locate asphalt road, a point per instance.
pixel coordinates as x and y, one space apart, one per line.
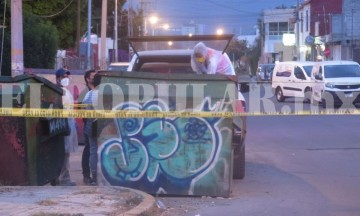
295 165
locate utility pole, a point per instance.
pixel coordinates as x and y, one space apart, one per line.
297 32
352 33
89 36
78 24
103 35
116 31
17 50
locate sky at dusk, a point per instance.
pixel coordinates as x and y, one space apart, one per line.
234 16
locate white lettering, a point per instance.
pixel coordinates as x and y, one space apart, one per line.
255 99
7 93
35 94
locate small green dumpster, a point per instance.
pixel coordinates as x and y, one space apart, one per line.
175 155
30 153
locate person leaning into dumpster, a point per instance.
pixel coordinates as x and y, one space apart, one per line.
90 137
85 164
70 141
205 60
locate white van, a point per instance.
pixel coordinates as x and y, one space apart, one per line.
292 79
335 83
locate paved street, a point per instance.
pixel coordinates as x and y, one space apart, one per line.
295 165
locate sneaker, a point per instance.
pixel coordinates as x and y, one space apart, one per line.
93 182
87 180
68 183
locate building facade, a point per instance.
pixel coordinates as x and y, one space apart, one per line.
327 30
277 24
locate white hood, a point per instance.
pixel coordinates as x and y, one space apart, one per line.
343 80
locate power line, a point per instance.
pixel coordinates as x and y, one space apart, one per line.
57 13
231 8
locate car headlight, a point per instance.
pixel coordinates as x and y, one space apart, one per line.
329 85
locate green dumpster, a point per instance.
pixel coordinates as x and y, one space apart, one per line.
30 152
171 155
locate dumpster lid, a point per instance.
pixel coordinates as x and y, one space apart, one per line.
178 42
22 77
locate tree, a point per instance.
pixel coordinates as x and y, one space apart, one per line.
123 14
236 49
255 51
40 43
61 14
6 61
254 56
6 44
50 25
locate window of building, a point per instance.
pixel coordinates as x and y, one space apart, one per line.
276 30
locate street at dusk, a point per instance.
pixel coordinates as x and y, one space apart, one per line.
180 108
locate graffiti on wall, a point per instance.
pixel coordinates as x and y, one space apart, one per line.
163 155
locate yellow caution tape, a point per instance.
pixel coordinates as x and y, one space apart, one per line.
79 113
77 105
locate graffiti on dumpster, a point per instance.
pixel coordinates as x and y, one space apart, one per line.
12 129
161 154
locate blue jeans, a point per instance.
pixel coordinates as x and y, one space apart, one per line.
93 153
85 164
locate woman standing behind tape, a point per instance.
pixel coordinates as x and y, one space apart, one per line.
90 138
71 141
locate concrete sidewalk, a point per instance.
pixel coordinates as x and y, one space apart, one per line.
74 200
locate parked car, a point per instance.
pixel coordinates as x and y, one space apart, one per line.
118 66
335 82
263 72
292 79
154 55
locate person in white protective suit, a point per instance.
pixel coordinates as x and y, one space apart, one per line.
205 60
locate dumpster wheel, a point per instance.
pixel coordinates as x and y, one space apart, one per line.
239 154
239 163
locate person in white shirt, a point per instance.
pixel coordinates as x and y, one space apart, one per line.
91 99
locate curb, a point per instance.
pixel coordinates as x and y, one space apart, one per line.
147 204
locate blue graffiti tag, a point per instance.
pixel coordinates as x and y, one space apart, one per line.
160 153
195 130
